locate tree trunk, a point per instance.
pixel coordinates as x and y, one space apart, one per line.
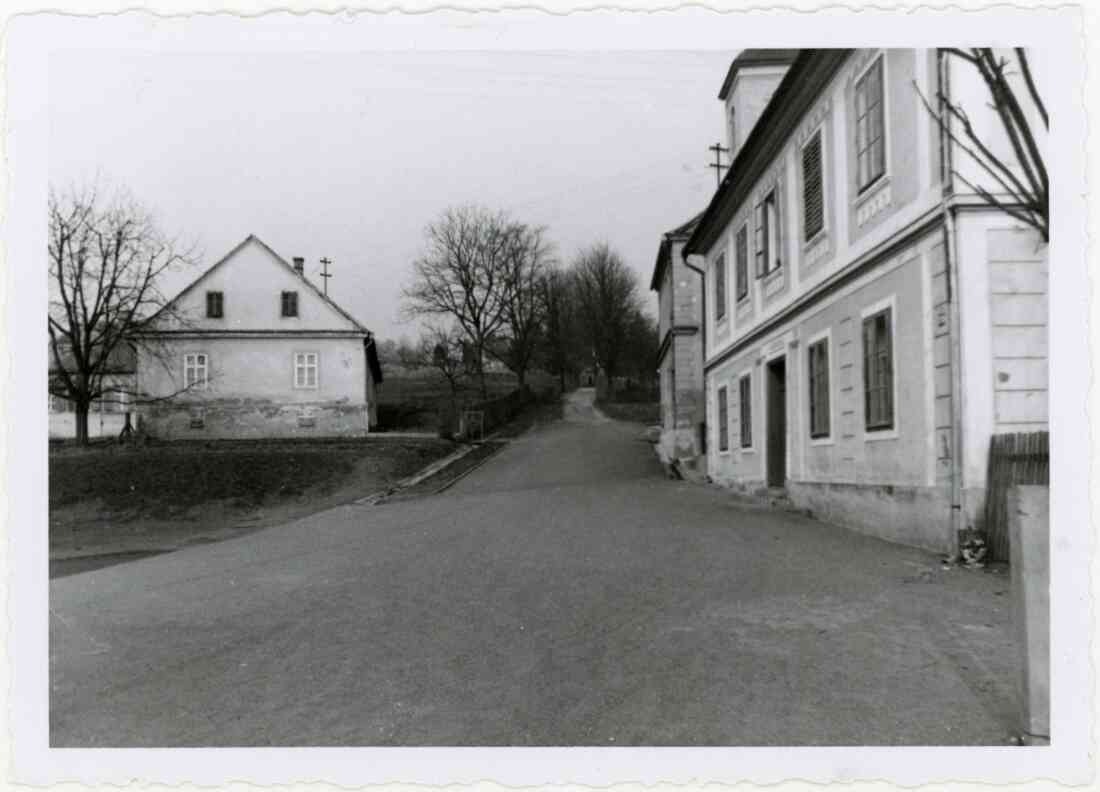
481 375
81 423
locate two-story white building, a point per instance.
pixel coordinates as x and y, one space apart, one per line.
870 323
252 348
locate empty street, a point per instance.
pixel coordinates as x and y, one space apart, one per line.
564 593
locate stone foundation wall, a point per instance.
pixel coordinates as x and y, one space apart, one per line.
916 516
255 418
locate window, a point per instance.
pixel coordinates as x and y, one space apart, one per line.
720 287
870 139
290 303
819 388
813 193
767 235
745 396
215 305
878 371
305 369
195 370
741 252
723 420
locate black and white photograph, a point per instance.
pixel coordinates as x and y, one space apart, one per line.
596 383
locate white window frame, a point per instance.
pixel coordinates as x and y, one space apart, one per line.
872 435
861 194
827 336
821 232
191 363
302 365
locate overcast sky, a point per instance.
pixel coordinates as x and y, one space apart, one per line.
350 155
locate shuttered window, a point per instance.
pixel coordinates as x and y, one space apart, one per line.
819 388
741 253
870 137
813 195
290 303
878 371
720 287
744 395
215 304
723 420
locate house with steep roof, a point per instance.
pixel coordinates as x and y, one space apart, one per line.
870 321
252 348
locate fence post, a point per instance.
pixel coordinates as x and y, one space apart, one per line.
1029 544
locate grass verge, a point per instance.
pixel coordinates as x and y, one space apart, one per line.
119 501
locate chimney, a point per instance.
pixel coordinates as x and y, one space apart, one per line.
299 264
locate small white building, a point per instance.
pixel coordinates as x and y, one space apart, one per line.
253 349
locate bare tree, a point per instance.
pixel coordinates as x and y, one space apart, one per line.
105 260
464 276
528 259
442 349
1021 188
606 294
560 342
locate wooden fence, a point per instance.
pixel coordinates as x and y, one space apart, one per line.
1021 458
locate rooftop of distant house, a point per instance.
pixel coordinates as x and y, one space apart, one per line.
756 57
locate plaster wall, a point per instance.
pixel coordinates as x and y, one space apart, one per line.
888 483
251 388
252 282
1004 317
855 224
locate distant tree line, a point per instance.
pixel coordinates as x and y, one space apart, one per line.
489 287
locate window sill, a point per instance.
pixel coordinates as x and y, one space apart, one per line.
822 441
874 435
749 450
871 190
817 239
771 274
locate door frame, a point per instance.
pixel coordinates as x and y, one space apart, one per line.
769 361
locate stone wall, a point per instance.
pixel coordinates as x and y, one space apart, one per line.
254 418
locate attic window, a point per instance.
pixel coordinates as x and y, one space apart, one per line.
290 303
215 304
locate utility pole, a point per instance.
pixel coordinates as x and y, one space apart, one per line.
718 150
325 273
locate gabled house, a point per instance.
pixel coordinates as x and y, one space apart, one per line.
870 322
679 290
252 348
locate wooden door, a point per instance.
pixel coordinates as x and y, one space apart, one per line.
777 423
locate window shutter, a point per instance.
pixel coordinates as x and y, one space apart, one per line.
761 239
868 370
777 218
813 209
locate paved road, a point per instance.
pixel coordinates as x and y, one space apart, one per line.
565 593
